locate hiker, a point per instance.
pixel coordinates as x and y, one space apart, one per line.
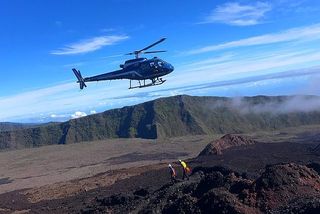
172 173
185 169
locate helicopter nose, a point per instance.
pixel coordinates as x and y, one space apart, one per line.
170 68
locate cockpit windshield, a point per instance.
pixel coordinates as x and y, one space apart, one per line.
157 64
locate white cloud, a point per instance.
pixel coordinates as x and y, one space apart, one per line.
216 59
54 116
93 112
62 99
58 23
234 13
78 114
294 34
59 116
106 30
291 104
296 8
244 65
88 45
252 63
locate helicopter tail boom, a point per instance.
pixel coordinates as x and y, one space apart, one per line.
79 77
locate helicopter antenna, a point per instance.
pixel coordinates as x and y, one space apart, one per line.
142 51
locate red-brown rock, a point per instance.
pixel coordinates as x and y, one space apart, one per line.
227 141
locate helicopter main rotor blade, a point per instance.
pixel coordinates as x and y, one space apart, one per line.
145 52
148 52
150 46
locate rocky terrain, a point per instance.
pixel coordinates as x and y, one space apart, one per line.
172 117
227 141
221 190
261 177
276 188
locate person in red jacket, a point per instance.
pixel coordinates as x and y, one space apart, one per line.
172 173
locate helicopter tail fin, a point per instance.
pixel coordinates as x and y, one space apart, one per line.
79 77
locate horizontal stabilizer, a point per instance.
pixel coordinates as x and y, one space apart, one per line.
79 77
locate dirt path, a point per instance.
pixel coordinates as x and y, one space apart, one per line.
75 187
53 198
32 168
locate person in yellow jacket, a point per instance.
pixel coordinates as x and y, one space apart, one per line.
185 169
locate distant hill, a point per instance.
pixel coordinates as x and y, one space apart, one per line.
174 116
7 126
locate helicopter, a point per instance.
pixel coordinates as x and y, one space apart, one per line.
139 69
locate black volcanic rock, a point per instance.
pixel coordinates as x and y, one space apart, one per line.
308 205
280 176
315 166
281 188
167 117
281 184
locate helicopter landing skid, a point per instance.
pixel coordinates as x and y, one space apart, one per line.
154 82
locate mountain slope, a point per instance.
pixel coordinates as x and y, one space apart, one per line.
7 126
171 117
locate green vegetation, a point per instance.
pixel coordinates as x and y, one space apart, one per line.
6 126
167 117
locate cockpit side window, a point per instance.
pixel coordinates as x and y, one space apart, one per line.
160 63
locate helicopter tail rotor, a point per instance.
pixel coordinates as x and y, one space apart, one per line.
79 77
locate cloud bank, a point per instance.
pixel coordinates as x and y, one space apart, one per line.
234 13
89 45
290 104
295 34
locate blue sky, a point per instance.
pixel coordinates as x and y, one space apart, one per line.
219 48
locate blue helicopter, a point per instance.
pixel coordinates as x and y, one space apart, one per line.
140 69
